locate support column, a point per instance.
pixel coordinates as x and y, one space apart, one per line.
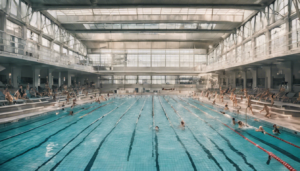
288 77
36 77
69 79
254 77
233 78
50 78
244 76
16 76
59 79
268 78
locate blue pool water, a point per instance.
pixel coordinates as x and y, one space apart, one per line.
119 135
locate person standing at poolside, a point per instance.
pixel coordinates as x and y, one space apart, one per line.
249 105
268 114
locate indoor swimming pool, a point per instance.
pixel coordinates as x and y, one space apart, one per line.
119 134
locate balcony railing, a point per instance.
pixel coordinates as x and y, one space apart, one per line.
13 45
276 47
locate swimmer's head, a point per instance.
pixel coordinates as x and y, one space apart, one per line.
233 119
260 127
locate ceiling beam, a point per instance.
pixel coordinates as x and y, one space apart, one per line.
152 41
45 6
150 30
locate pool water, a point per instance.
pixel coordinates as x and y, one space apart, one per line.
119 134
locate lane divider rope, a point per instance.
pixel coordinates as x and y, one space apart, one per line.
288 166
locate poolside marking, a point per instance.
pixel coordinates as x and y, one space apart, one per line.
133 133
92 160
227 140
69 152
269 153
39 126
178 139
41 142
208 153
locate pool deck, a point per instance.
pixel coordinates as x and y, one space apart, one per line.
292 123
42 110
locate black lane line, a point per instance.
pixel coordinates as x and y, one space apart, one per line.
133 133
156 139
227 140
208 153
295 158
57 164
42 120
178 139
152 127
43 125
222 151
42 141
92 160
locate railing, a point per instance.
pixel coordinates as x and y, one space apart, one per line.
276 47
13 45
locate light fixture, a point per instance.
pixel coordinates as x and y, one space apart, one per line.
9 75
210 46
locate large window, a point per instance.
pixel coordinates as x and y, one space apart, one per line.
161 79
158 60
56 47
171 79
144 60
45 42
32 36
118 79
132 60
13 28
14 7
199 59
106 79
281 8
295 36
185 79
144 79
172 60
186 60
248 50
278 40
260 49
131 79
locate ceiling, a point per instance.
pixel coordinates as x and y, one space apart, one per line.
171 23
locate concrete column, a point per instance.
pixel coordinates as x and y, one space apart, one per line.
16 76
59 79
50 78
254 77
268 78
288 76
69 79
233 78
36 78
244 76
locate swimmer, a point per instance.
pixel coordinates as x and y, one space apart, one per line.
214 102
62 109
260 129
182 124
275 130
241 124
257 120
233 121
71 113
226 107
156 128
222 112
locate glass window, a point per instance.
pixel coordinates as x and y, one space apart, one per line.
144 79
171 79
32 36
131 79
281 8
161 79
132 60
45 42
295 36
118 79
185 79
13 28
199 60
14 7
248 50
158 60
106 79
56 47
260 45
144 61
186 60
172 60
65 51
278 40
34 19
